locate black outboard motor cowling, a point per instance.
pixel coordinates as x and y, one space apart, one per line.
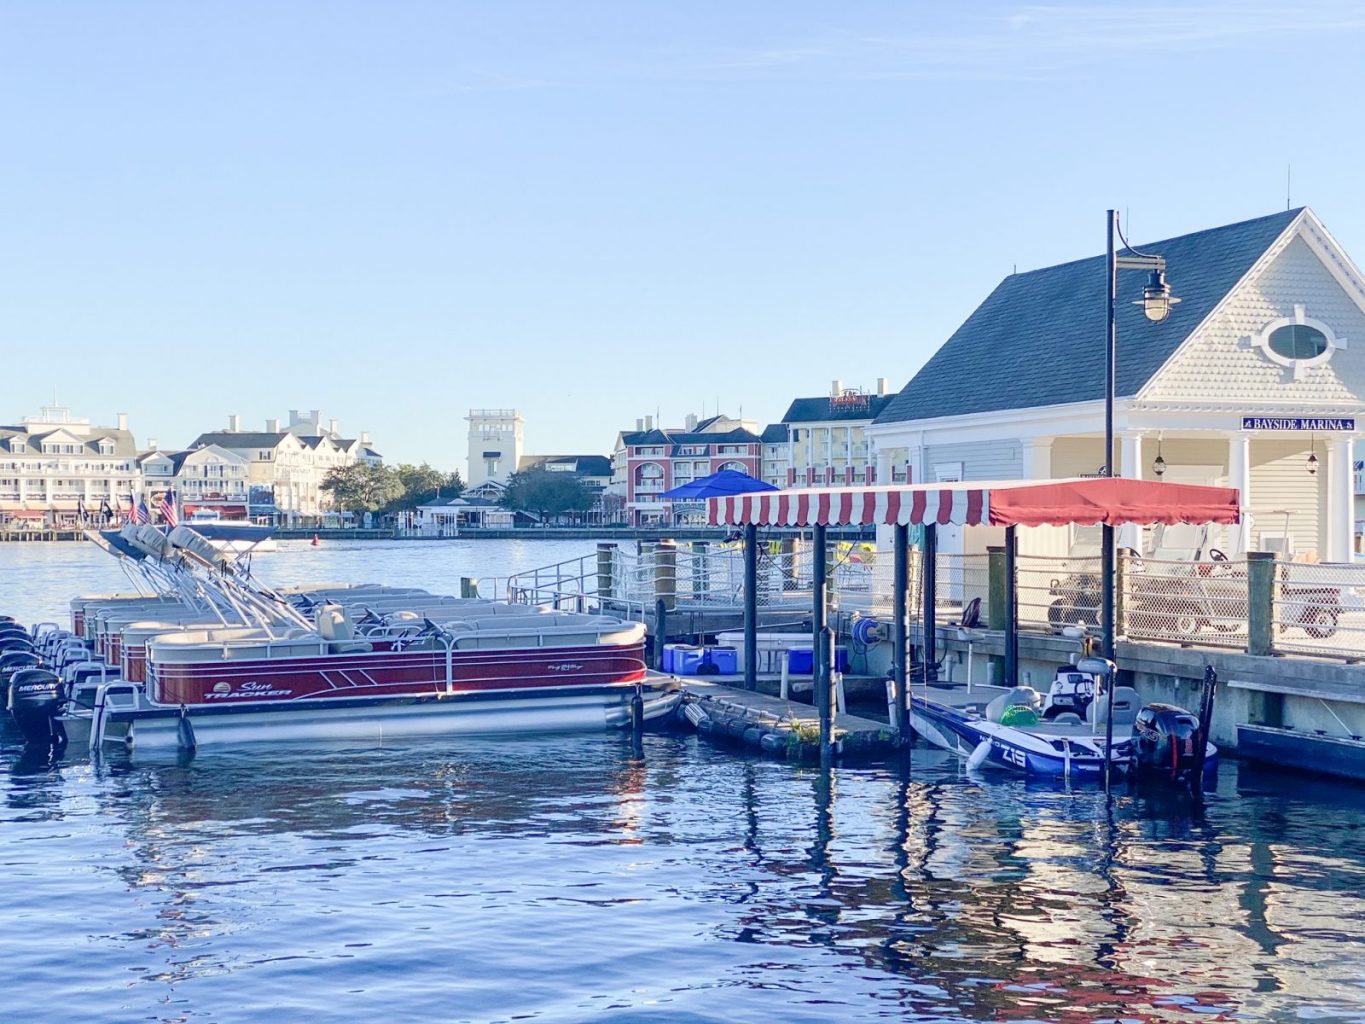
36 698
1167 742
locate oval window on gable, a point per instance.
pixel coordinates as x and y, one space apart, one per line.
1297 341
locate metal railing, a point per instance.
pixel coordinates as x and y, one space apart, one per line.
1314 609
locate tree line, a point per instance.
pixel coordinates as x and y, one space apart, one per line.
383 490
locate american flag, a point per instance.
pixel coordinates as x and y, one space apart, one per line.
167 508
132 510
106 513
144 514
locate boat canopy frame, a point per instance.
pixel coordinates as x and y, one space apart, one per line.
1105 501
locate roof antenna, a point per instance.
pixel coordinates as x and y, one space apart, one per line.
1288 181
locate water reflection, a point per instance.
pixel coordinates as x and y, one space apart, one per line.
570 880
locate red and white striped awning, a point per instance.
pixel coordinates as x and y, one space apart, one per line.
974 503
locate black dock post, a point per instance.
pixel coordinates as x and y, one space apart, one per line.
660 632
637 722
751 607
1011 609
900 655
930 621
822 652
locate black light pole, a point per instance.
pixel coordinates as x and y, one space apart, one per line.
1109 568
1156 303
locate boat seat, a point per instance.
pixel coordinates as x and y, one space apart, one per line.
349 647
1127 701
334 624
1025 695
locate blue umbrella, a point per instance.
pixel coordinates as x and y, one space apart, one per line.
719 485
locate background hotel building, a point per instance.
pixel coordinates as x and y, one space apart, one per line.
823 441
53 462
1259 369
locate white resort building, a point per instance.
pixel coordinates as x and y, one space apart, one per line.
1256 380
822 442
54 464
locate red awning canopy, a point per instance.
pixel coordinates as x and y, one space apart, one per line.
975 503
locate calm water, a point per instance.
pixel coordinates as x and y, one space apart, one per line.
564 881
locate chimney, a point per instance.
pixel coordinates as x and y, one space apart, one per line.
836 388
639 423
272 426
293 417
315 416
123 421
332 427
649 422
881 387
152 445
234 424
364 437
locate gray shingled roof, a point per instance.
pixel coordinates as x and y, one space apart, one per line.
239 439
817 410
775 433
1038 339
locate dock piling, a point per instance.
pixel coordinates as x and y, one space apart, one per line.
1011 610
899 648
930 620
751 608
660 632
823 647
637 722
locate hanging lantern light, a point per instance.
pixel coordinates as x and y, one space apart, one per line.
1159 465
1312 456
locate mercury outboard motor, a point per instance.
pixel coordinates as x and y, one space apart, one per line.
12 662
36 698
1167 742
15 643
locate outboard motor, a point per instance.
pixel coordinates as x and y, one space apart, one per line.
36 698
15 643
12 662
1168 743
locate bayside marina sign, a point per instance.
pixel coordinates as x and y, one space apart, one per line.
1296 423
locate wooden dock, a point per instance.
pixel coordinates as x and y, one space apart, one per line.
784 728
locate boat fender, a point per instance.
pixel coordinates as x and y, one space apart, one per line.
753 736
736 727
979 755
773 743
695 714
185 732
36 698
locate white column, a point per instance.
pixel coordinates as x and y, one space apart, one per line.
1130 456
1239 476
1036 462
1340 499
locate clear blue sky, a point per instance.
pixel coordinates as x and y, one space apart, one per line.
593 210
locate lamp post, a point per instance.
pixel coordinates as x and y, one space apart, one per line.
1156 303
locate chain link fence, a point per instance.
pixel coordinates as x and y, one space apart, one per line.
1203 603
1318 609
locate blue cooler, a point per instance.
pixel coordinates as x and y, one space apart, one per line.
801 660
722 661
672 661
687 659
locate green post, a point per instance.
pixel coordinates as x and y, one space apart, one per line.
995 588
1260 602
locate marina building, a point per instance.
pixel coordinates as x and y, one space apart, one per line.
822 441
1255 380
648 461
54 464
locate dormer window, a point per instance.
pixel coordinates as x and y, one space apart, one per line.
1298 342
18 447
